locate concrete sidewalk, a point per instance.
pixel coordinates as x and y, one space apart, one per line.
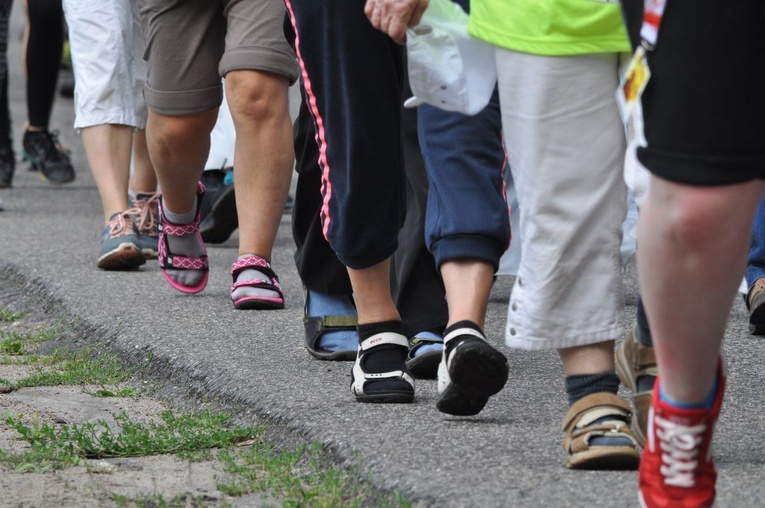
508 455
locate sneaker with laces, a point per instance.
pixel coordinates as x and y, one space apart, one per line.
7 165
42 150
147 222
120 246
636 367
677 468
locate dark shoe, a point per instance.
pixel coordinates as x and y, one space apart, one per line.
222 220
42 151
317 326
470 372
120 247
212 179
7 166
66 84
755 301
394 386
424 356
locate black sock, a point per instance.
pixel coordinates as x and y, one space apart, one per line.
581 385
643 331
462 324
387 357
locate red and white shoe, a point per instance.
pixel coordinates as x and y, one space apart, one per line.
677 469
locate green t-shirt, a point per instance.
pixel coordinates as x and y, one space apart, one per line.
550 27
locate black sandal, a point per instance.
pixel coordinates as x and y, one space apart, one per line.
316 326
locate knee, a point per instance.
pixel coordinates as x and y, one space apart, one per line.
256 96
691 220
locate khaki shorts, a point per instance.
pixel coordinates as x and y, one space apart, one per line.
191 44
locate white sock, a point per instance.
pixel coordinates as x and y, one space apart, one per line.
190 246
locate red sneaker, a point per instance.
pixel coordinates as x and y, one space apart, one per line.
676 469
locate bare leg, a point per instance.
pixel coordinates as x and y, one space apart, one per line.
264 156
108 151
590 359
144 179
371 292
178 146
468 284
693 243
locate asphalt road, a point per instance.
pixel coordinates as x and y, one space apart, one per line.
509 455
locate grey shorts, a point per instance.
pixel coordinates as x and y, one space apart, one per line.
191 44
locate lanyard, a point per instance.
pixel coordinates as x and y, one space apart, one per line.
653 12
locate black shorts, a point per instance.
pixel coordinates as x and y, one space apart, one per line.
704 106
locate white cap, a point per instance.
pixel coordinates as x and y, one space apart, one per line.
448 68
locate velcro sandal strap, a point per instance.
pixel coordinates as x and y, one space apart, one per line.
184 262
460 332
259 264
644 357
379 339
253 261
579 426
359 380
599 400
178 230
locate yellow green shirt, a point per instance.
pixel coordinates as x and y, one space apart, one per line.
550 27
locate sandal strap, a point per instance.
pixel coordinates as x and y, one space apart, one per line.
417 341
179 230
252 261
176 261
460 332
379 339
579 423
259 264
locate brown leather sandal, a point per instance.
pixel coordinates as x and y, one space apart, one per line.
600 414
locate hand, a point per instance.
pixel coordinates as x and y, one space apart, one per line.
394 16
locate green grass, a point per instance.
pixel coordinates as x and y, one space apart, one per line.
8 316
15 344
79 368
56 446
295 477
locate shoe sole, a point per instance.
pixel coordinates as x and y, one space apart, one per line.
125 257
387 398
424 366
621 458
477 371
253 303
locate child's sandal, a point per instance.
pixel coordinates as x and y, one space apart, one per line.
600 415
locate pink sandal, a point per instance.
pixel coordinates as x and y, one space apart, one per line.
168 260
256 302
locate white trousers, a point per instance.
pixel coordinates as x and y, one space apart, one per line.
565 144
